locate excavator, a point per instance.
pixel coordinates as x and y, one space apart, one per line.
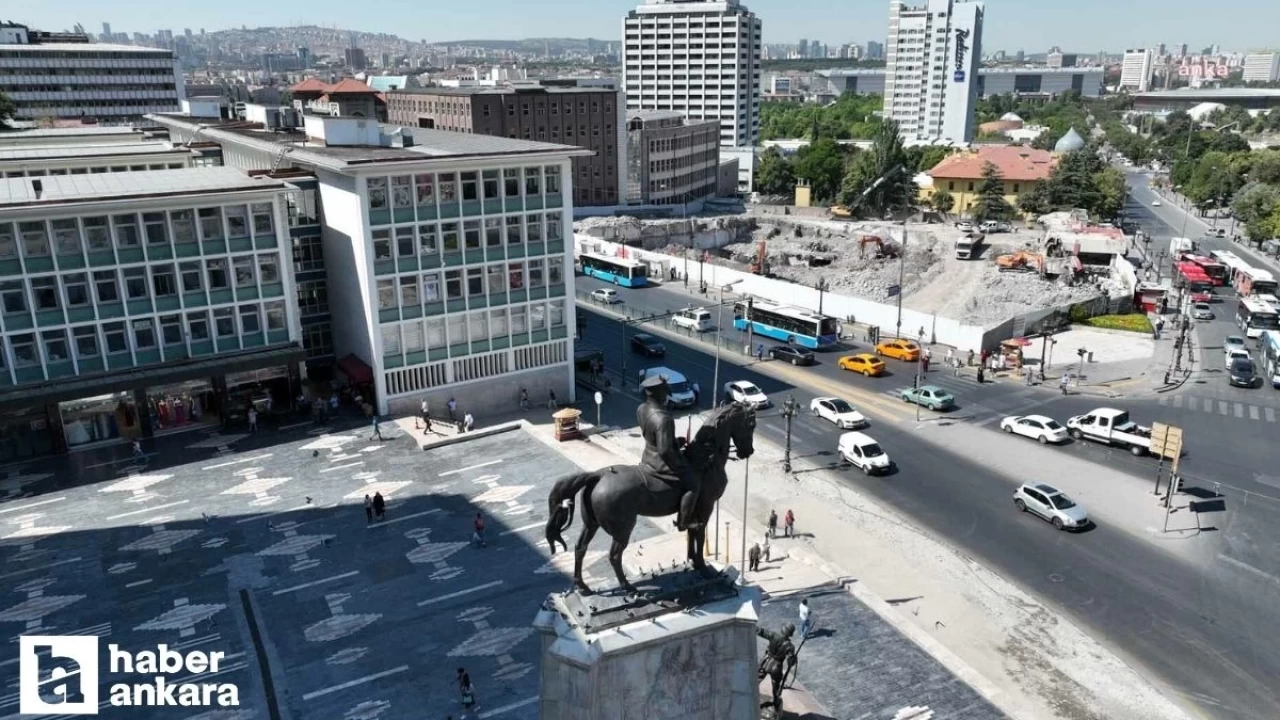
759 264
840 212
1021 261
883 249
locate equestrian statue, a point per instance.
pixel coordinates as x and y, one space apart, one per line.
674 476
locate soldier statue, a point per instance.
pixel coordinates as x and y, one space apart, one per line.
663 457
779 658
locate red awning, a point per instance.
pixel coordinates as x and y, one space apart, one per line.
356 369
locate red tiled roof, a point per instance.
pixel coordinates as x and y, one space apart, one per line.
350 85
310 85
1014 162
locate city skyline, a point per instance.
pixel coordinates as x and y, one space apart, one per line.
1010 27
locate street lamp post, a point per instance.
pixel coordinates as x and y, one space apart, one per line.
788 412
902 266
822 286
919 373
1080 373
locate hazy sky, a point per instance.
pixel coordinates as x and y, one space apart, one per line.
1033 25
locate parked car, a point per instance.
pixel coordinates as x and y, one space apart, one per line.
1242 373
1201 311
839 412
929 396
899 349
861 451
866 363
1051 504
696 319
793 354
1233 354
1037 427
964 226
1155 203
603 295
744 391
995 226
647 345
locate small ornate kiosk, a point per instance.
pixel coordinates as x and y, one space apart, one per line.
566 420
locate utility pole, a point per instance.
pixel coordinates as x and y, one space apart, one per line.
750 325
1079 374
919 373
746 484
788 412
822 287
902 266
624 354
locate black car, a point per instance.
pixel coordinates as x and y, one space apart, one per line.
647 345
1242 373
792 354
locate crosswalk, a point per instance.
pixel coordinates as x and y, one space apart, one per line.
1220 407
945 379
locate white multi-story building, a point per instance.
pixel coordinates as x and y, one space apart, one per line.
934 52
698 58
1261 67
1135 72
112 83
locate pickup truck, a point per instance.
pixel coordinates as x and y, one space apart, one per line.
1113 427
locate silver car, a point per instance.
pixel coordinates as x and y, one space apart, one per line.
1051 504
1201 311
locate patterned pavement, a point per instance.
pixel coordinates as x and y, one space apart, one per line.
356 621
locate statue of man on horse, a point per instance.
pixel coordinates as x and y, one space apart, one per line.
673 477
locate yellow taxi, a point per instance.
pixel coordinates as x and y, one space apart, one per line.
904 350
865 363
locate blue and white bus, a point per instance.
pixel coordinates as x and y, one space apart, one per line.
792 325
619 271
1269 344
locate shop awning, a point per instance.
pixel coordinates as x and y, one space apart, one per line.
122 380
356 369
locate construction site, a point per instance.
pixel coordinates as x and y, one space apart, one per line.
1007 274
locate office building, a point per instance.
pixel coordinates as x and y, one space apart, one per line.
670 160
934 53
875 50
447 272
1136 69
1058 59
140 303
1032 81
355 58
1261 67
65 76
588 117
698 58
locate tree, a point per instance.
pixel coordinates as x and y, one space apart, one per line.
1035 202
991 204
1112 189
922 158
896 191
1071 184
821 163
7 109
942 202
774 176
1255 207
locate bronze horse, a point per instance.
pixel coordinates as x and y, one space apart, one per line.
613 497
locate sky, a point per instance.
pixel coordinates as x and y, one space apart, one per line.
1031 25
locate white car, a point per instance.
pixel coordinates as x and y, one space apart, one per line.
608 297
1051 504
1232 342
1232 354
746 392
863 452
964 226
1037 427
1155 203
695 319
838 411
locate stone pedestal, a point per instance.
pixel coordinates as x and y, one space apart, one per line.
687 659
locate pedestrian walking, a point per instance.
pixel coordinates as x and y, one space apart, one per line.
697 392
468 423
1030 374
368 509
766 547
552 404
969 362
377 430
1159 327
951 353
379 506
753 558
426 424
253 420
137 451
466 689
806 619
924 363
425 411
760 352
524 399
333 402
773 523
981 375
1066 380
789 524
477 535
453 409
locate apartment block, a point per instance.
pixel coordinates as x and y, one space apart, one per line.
671 161
69 77
138 303
698 58
1261 67
447 274
588 117
1136 70
931 73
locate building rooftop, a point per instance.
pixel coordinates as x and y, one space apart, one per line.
653 115
85 48
1014 162
504 90
63 189
67 132
1209 94
51 152
1022 70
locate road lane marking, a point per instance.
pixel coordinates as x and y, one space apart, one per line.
1222 407
352 683
508 708
460 593
1208 406
313 583
522 528
1239 410
1271 414
34 504
153 508
1177 401
1191 403
470 467
236 462
1253 412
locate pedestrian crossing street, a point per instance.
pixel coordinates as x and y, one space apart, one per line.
1217 406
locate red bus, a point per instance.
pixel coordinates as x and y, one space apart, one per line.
1216 271
1197 282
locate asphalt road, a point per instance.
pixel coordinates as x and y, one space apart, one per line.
1207 632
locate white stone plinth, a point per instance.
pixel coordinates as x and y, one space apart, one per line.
694 665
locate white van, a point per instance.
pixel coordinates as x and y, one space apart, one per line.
681 391
696 319
861 451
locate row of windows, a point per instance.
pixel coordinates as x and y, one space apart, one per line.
70 236
114 338
15 88
71 290
85 71
422 189
432 287
30 108
461 328
92 170
430 238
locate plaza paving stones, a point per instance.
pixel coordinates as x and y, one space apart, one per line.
860 667
359 621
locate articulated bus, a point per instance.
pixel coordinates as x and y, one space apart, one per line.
619 271
1230 262
1252 281
1216 271
792 325
1254 317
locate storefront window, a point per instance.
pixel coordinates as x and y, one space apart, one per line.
95 419
182 405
